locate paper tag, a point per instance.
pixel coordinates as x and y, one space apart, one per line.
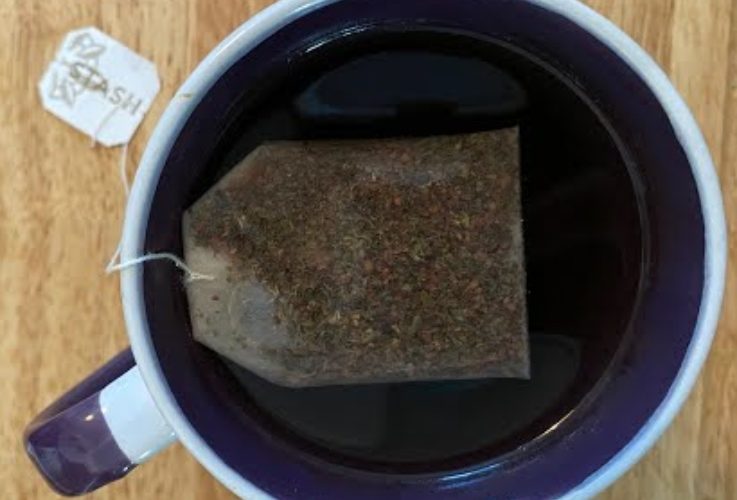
99 86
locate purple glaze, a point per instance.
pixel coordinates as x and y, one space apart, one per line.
70 442
582 443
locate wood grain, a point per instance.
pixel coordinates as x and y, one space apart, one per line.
61 206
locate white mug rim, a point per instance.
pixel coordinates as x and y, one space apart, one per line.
283 12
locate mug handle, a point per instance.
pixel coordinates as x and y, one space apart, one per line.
99 431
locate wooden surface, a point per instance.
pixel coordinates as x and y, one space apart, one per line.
61 206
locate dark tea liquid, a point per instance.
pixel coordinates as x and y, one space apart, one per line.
584 233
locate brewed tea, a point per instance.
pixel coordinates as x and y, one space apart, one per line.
584 238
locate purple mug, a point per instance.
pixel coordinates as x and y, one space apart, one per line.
166 389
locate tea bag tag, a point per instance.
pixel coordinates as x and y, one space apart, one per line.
99 86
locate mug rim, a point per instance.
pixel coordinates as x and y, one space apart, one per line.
271 19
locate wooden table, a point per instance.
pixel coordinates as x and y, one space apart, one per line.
61 205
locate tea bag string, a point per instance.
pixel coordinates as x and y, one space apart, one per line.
116 264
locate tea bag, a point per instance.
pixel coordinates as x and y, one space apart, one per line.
365 261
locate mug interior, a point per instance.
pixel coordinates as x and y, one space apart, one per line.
575 448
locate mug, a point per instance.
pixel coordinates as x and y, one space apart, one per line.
166 389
